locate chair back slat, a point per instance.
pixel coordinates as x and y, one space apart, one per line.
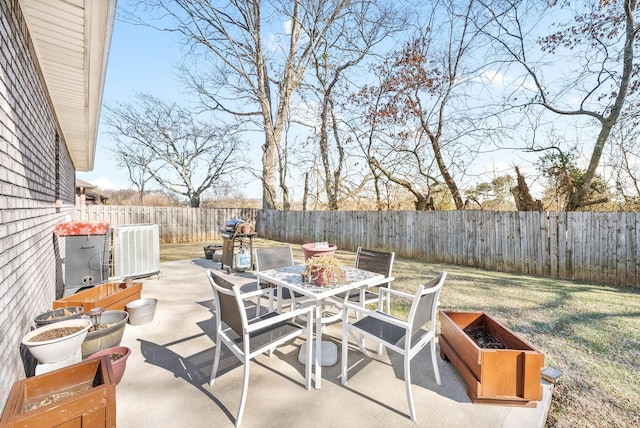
425 304
273 257
375 261
227 307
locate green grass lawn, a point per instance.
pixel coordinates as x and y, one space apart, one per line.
589 331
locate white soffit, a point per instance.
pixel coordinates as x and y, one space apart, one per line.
71 39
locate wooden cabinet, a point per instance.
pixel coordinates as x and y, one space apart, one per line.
79 395
493 376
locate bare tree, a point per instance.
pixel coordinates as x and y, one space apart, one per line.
422 91
601 73
187 156
135 160
347 44
256 54
624 161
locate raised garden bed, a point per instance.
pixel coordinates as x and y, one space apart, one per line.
79 395
507 372
111 296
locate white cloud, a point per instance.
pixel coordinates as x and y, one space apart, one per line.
493 77
498 79
103 183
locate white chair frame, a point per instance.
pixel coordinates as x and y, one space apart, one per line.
413 329
280 328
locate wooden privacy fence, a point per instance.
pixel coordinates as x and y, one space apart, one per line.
176 224
590 246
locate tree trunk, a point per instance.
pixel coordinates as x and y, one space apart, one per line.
522 197
425 203
305 194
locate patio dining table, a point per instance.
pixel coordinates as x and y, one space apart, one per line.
291 278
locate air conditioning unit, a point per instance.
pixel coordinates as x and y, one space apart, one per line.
136 250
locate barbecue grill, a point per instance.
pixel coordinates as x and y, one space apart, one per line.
237 247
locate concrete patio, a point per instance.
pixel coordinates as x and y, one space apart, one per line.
166 380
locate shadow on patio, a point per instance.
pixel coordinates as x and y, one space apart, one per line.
166 383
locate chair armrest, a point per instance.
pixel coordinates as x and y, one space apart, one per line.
377 314
283 317
357 308
354 307
387 280
394 292
258 292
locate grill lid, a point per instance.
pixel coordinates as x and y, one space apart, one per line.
233 223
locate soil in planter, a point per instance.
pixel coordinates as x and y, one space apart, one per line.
55 333
65 313
483 338
99 327
52 398
115 356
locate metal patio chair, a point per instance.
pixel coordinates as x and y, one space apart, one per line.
405 337
247 338
373 261
272 258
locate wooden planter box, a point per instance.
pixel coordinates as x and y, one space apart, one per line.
95 406
111 296
493 376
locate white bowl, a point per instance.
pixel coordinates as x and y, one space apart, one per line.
54 350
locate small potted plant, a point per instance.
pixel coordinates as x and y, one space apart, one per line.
118 356
323 270
57 341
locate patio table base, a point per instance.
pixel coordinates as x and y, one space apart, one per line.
328 354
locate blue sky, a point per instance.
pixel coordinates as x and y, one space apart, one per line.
140 59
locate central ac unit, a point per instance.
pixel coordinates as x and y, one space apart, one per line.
136 250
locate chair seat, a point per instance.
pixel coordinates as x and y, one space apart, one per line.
286 293
263 337
390 333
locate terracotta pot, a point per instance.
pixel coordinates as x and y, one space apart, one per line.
322 277
117 365
310 250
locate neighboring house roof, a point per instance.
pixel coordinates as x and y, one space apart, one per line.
84 184
71 39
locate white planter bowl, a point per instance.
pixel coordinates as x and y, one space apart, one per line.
54 350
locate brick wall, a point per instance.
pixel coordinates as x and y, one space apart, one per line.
36 192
